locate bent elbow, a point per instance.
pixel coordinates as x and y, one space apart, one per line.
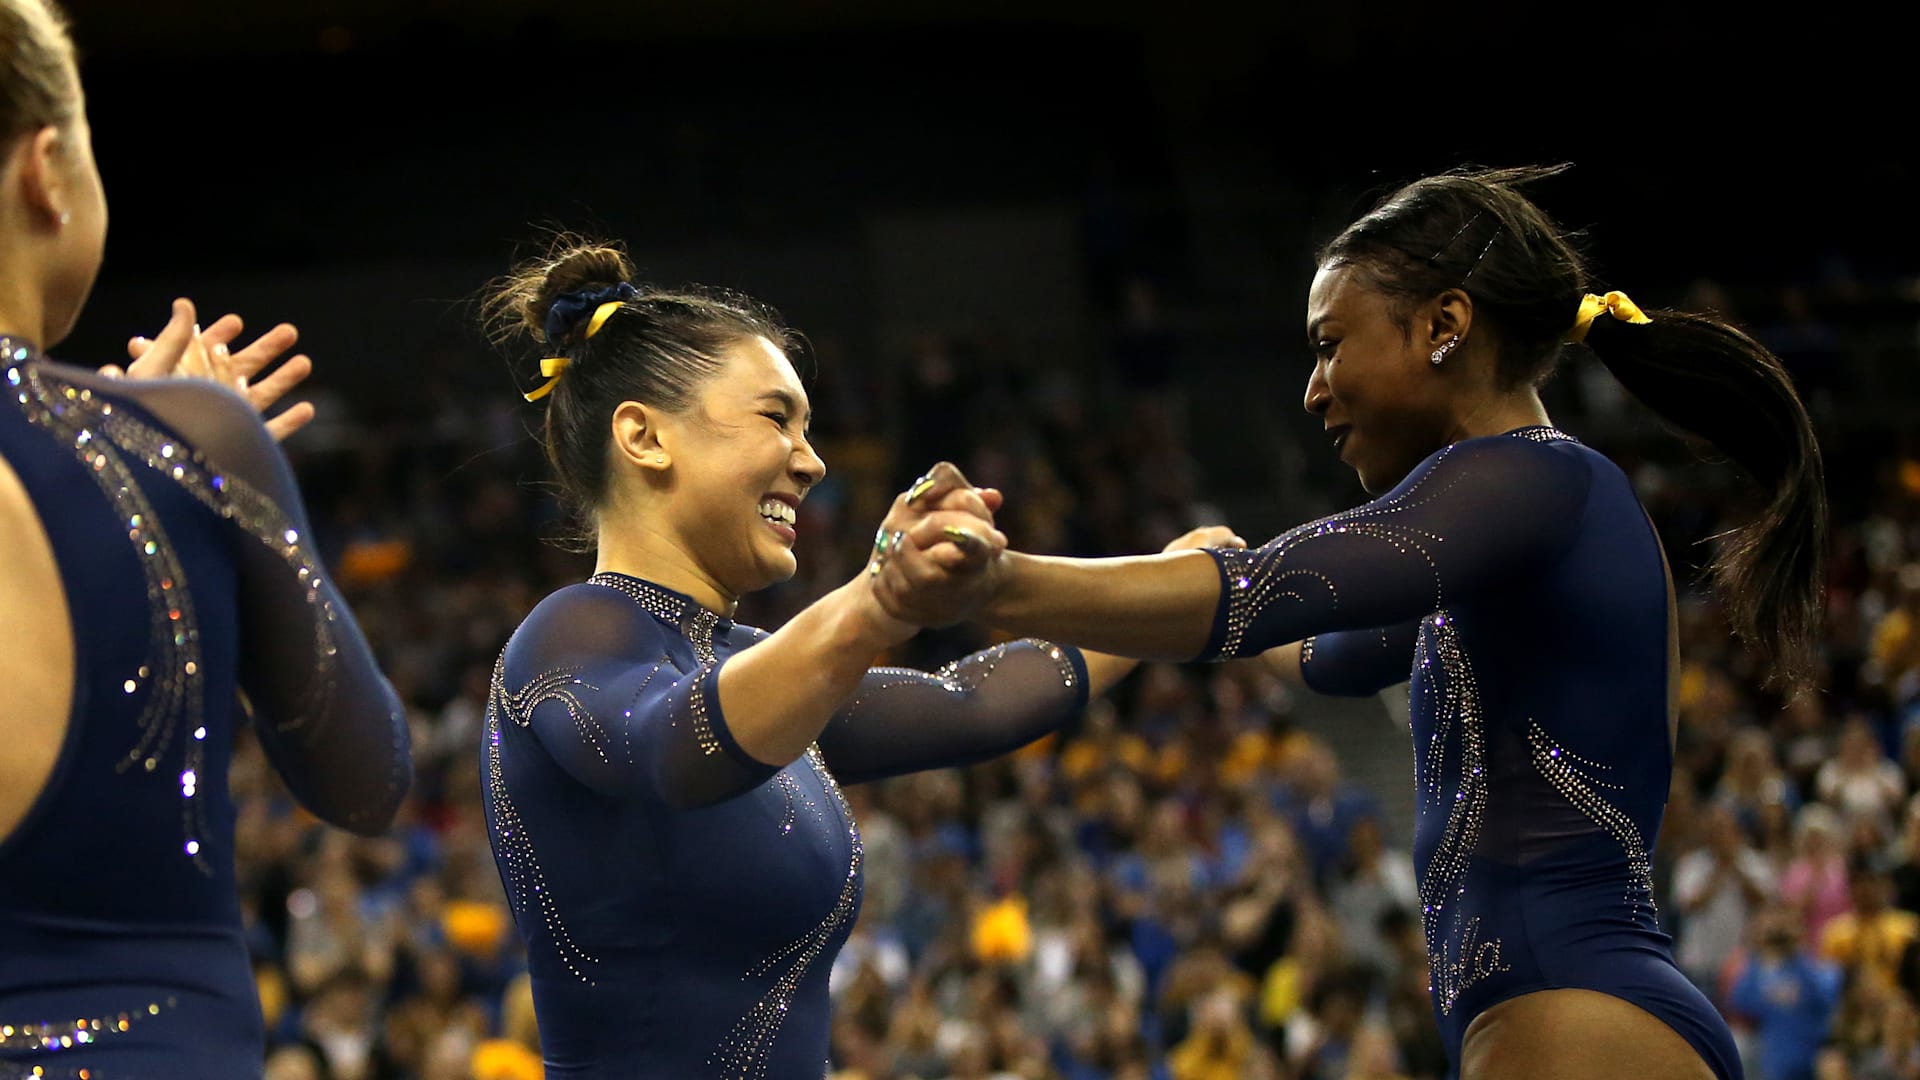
374 816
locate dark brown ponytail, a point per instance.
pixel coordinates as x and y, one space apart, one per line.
1707 378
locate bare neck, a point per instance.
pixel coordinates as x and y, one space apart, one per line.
628 544
23 301
22 316
1497 413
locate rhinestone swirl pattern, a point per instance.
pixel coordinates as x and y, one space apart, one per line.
527 887
1457 960
1257 578
744 1053
1578 780
171 672
795 798
106 440
256 514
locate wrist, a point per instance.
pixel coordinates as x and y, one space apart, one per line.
865 628
1004 579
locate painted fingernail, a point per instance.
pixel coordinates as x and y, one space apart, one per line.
919 488
960 536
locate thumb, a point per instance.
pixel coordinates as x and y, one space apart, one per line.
164 352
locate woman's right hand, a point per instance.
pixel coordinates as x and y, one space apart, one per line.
934 556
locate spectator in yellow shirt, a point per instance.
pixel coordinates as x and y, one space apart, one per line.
1869 940
1222 1045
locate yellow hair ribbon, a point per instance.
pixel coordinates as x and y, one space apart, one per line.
1615 304
552 367
555 366
601 314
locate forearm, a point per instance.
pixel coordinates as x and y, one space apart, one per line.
778 695
350 766
1150 607
984 705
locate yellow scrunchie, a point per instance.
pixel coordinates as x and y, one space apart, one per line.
1615 304
554 366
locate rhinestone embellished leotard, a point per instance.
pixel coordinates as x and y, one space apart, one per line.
682 903
184 555
1519 582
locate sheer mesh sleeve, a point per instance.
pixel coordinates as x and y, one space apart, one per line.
618 701
328 720
977 708
1474 516
1359 663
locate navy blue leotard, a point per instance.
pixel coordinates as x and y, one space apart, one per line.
189 576
682 903
1520 576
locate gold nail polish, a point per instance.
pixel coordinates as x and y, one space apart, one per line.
924 485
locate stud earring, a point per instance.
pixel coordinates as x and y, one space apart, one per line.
1440 353
66 217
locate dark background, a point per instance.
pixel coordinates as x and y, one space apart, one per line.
356 166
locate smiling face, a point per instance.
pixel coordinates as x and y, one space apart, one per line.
1373 383
740 465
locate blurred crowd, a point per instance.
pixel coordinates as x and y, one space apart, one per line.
1182 886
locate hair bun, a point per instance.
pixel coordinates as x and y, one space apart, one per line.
525 300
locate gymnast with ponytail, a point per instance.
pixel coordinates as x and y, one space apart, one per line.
1511 573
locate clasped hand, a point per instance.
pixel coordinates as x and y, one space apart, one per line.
936 558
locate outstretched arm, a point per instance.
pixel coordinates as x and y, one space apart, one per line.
985 705
978 708
1471 516
974 709
1104 670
